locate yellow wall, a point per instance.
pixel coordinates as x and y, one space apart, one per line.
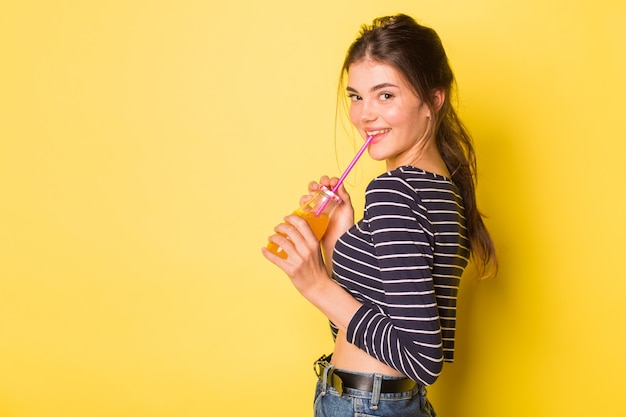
147 148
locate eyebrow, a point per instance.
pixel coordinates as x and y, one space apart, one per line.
374 88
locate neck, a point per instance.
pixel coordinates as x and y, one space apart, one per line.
427 158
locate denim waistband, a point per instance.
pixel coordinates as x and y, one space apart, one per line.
341 379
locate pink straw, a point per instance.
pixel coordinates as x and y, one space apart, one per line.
346 172
356 158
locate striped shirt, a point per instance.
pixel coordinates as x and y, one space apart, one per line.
403 261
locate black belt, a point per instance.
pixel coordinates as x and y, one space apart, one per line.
340 379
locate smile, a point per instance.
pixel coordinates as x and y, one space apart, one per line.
377 132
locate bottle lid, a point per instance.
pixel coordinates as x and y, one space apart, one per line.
331 194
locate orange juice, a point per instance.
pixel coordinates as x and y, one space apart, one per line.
318 225
316 212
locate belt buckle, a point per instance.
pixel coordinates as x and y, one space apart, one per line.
326 372
320 364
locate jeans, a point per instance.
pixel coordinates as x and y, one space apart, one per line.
357 403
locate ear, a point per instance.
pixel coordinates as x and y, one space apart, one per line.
439 97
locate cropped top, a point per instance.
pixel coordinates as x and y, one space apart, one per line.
403 261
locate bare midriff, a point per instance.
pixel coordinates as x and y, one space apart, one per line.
349 357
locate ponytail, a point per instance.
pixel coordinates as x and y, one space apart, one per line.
455 146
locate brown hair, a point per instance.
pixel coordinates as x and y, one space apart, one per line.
417 53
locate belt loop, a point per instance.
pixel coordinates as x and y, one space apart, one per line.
378 382
422 396
328 372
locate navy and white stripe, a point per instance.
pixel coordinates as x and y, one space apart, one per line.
404 262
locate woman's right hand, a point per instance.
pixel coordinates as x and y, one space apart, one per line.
342 218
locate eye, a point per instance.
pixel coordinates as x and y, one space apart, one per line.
354 97
385 96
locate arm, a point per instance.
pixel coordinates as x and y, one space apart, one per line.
305 263
306 268
342 218
403 331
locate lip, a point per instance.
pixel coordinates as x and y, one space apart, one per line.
378 134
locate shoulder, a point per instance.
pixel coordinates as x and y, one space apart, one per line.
389 186
394 189
409 179
413 188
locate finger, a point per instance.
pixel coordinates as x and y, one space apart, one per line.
280 240
305 198
272 257
282 263
301 227
333 182
285 231
325 180
290 239
297 233
343 193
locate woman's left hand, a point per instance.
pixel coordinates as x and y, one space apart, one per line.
304 263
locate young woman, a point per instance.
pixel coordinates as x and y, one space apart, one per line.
390 290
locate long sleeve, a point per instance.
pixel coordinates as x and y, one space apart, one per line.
398 323
404 331
403 261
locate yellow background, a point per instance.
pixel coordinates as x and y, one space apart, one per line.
147 149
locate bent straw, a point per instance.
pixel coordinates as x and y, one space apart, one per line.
346 172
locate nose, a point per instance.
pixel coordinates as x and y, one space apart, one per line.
368 113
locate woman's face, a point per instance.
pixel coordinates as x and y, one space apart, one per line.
383 105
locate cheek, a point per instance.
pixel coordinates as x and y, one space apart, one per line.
396 116
354 117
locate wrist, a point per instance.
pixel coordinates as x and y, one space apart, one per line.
317 288
333 301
